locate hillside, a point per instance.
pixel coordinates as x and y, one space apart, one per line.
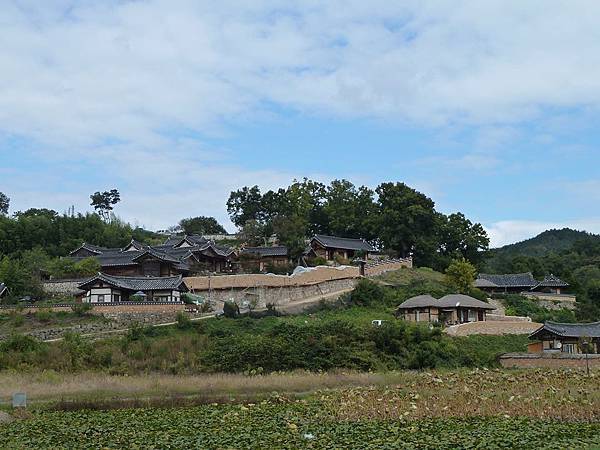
547 242
551 244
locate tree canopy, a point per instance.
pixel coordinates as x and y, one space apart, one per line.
103 202
394 217
201 225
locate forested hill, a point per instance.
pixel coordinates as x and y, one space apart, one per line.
550 241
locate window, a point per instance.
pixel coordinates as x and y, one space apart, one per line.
417 315
569 348
472 315
100 298
117 297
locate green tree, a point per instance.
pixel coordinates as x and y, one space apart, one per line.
245 204
104 202
406 221
4 203
87 267
291 232
460 276
461 238
201 225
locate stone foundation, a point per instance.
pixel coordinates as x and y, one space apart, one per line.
549 361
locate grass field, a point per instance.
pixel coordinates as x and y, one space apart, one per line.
447 409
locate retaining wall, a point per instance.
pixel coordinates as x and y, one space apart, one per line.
278 296
548 361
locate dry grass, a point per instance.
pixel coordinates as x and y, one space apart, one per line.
566 395
546 394
52 386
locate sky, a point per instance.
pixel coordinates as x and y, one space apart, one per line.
489 107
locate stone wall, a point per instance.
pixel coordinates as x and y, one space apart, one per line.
387 265
548 361
279 296
68 288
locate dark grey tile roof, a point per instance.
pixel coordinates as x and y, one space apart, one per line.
448 301
454 300
119 257
551 281
517 280
420 301
266 251
139 283
173 240
574 330
344 243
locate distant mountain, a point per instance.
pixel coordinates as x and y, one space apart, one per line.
551 241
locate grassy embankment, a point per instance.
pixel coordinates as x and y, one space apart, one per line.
331 336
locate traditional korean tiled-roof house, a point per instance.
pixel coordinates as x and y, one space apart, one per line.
551 284
507 283
332 247
519 282
449 310
555 337
262 258
184 255
105 288
3 290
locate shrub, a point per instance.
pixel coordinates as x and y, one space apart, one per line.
82 309
18 320
231 310
183 321
20 343
367 293
44 315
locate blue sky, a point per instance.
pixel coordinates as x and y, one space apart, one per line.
490 108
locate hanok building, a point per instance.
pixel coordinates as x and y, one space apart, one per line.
515 283
3 290
449 310
262 258
550 284
332 248
182 255
574 338
105 288
506 283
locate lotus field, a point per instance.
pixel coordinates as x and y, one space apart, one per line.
463 409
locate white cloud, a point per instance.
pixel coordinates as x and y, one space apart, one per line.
78 75
511 231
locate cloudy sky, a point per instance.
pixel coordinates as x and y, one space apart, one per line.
489 107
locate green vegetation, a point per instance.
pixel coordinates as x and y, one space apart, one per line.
402 220
460 276
431 410
517 305
574 256
288 425
18 322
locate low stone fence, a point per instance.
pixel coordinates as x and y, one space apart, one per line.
387 265
566 298
549 360
63 287
262 296
501 318
104 308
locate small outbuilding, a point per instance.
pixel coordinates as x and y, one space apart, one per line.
262 258
332 247
105 288
449 310
571 338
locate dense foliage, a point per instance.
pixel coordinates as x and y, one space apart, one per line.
394 217
201 225
517 305
329 337
284 424
573 256
31 243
